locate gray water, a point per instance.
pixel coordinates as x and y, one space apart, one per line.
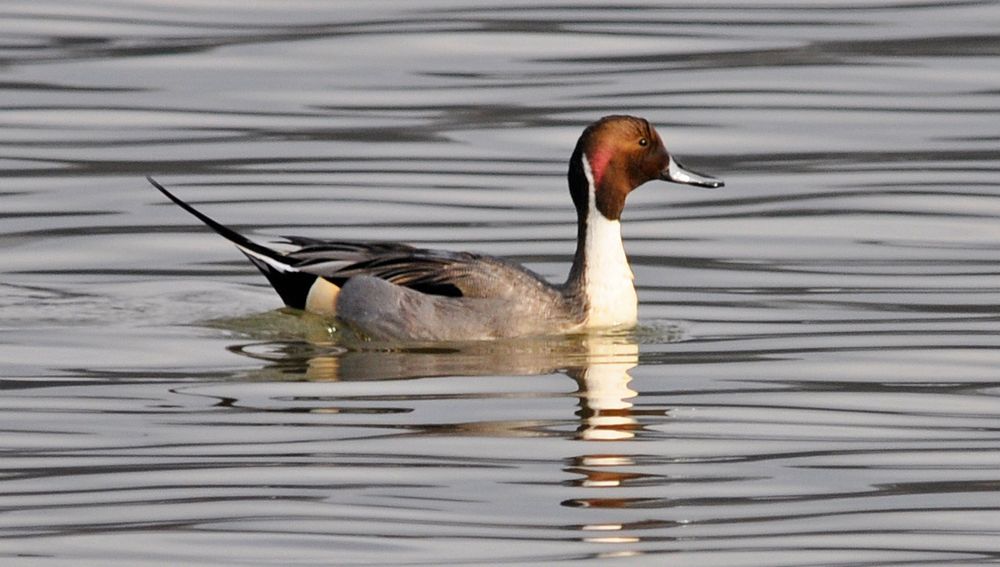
816 376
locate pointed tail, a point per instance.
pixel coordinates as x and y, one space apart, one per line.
229 234
291 284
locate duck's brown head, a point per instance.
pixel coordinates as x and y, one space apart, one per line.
615 155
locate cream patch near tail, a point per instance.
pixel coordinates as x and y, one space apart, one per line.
322 298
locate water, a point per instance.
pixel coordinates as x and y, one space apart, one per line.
814 381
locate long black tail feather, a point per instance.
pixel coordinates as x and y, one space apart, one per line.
226 232
292 285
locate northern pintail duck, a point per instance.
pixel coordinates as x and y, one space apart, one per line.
392 291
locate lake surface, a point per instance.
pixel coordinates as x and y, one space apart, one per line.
816 377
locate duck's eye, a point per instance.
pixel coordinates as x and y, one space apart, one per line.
643 142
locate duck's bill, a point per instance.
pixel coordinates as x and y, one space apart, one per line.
677 173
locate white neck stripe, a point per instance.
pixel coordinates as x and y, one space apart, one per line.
589 174
607 276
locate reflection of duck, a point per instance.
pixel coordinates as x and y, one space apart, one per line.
605 410
599 364
394 291
592 469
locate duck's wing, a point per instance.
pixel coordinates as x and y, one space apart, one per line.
437 272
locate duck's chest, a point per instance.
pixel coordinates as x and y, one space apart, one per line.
608 280
612 304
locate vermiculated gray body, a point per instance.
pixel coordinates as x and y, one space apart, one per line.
406 293
377 308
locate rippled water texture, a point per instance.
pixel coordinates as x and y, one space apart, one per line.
815 381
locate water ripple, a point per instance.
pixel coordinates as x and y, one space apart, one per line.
813 380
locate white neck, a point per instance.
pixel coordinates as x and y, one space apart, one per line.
607 277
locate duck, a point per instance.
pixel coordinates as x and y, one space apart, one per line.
389 291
